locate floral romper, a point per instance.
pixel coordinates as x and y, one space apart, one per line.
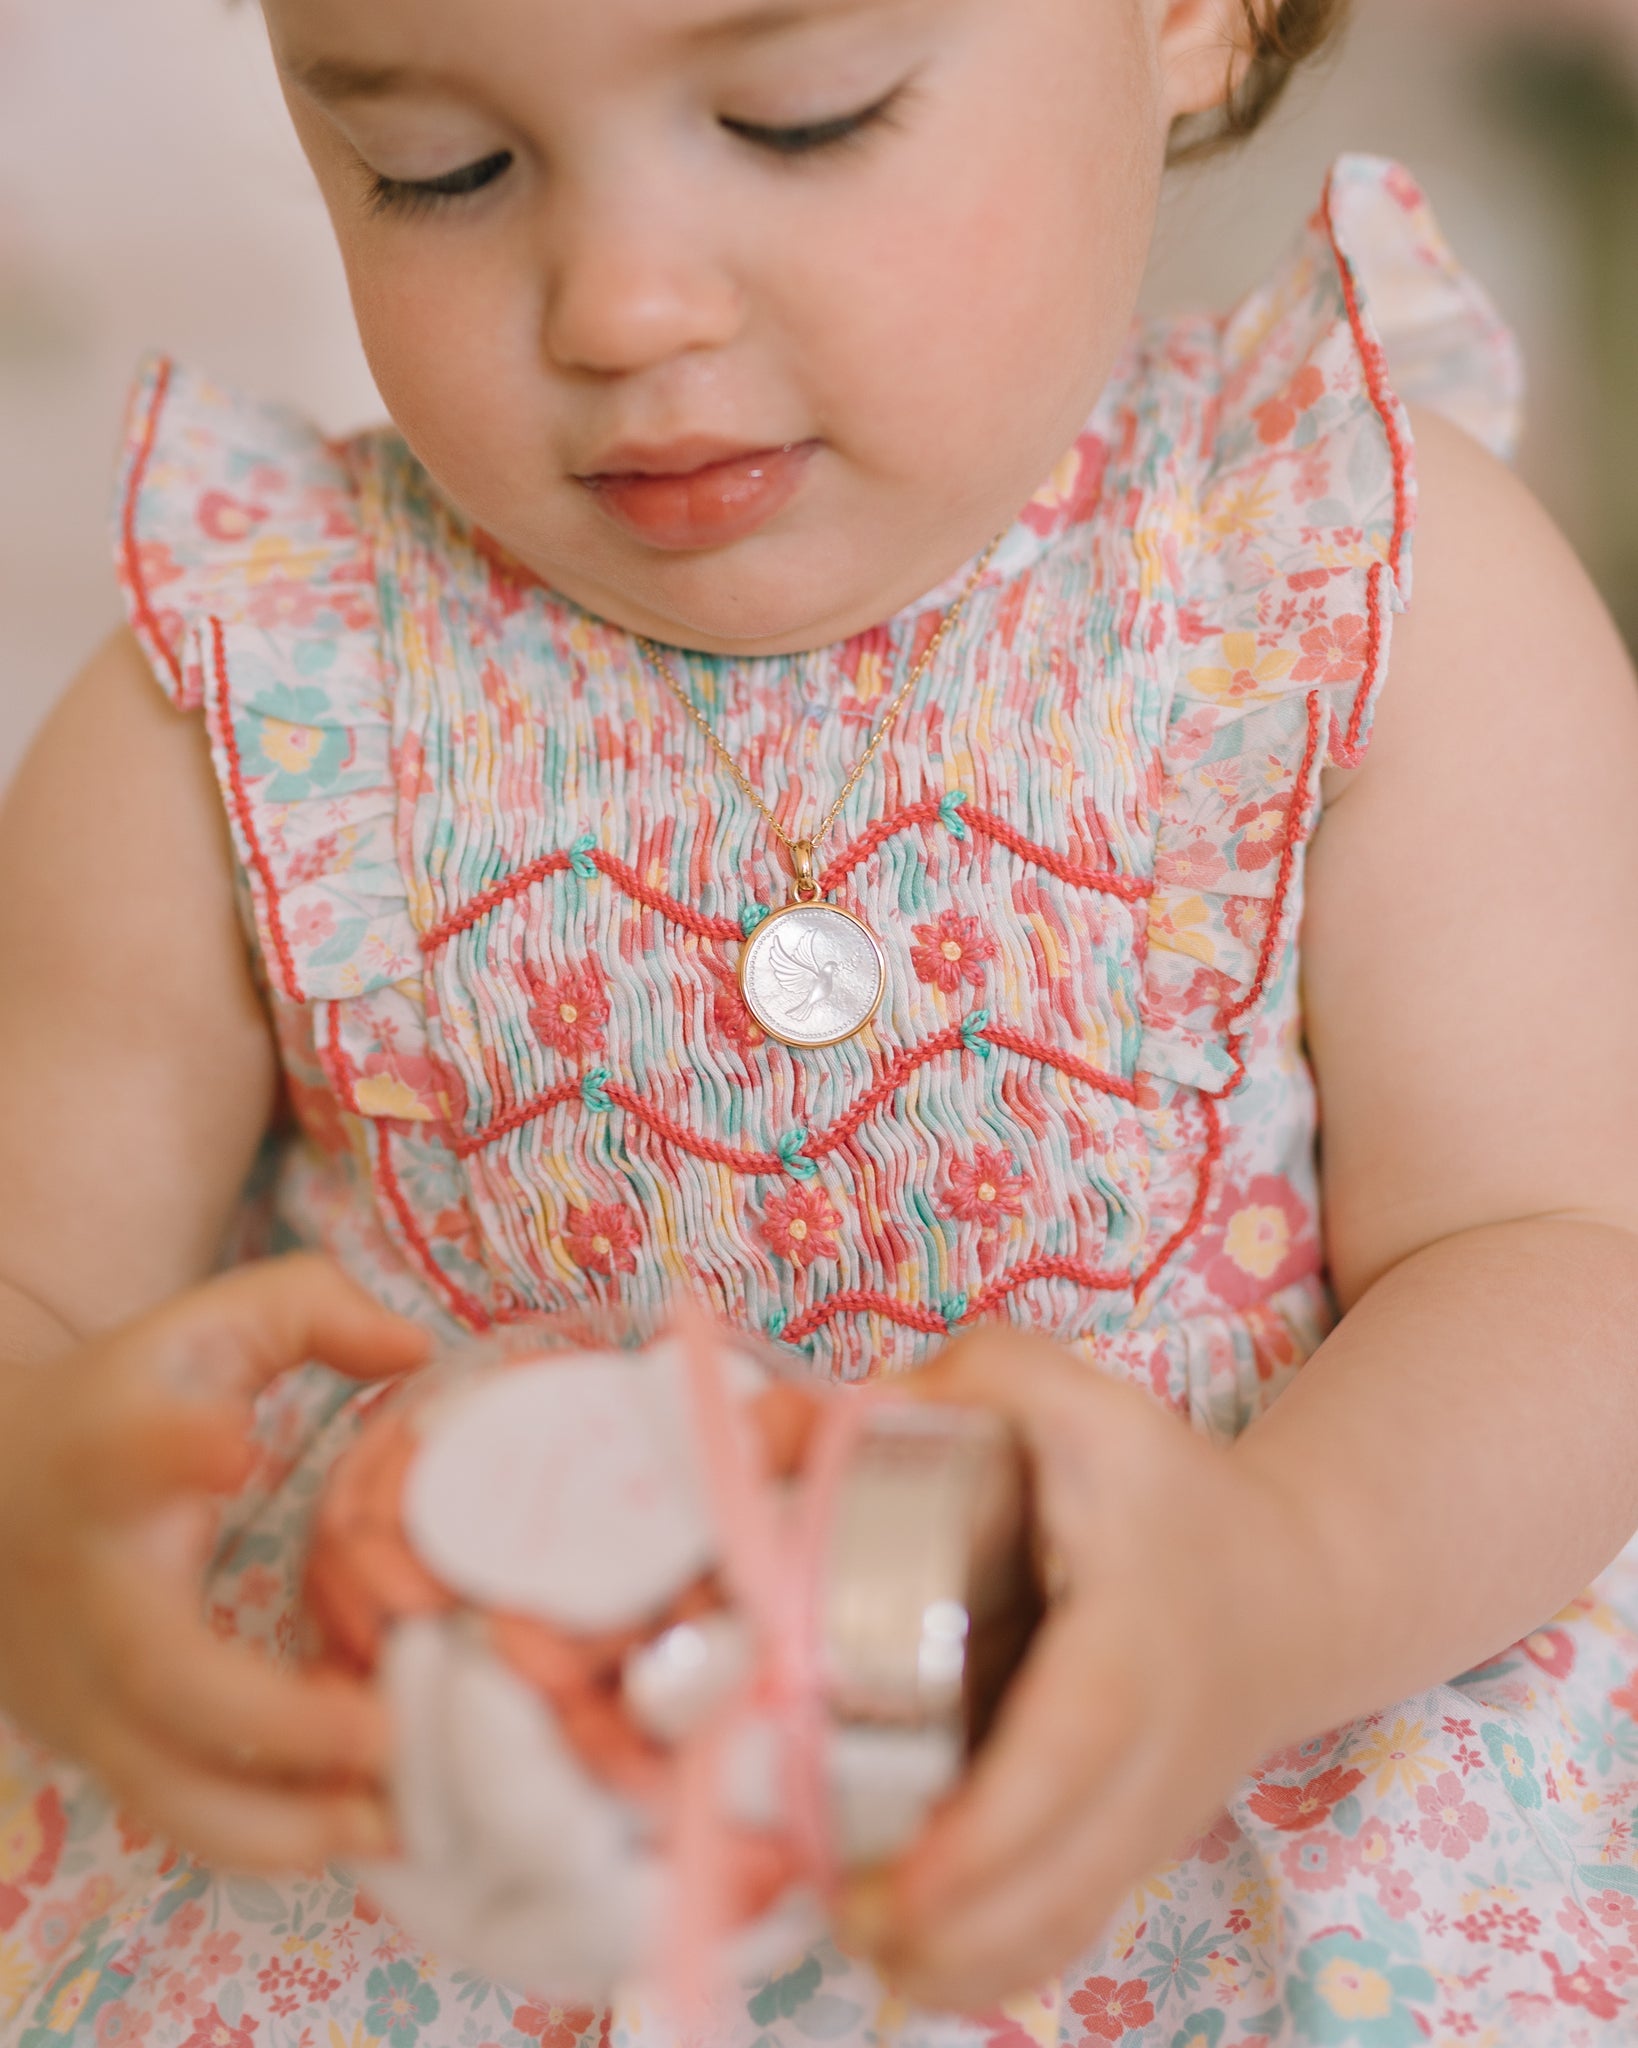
497 886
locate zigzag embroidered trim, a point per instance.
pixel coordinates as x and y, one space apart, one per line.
973 1035
953 811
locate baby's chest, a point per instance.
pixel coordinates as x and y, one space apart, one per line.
619 1120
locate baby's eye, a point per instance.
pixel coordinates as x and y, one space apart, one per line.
809 137
419 195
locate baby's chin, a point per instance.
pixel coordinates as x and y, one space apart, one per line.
769 594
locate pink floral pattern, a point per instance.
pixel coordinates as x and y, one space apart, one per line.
802 1226
602 1238
570 1012
952 950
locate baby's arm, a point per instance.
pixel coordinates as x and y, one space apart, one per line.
136 1079
136 1064
1461 1456
1464 1449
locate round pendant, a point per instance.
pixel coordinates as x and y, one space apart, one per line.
812 975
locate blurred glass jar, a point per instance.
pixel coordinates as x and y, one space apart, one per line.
530 1546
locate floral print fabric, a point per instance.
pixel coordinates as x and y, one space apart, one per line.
497 886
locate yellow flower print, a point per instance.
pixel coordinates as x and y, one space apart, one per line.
1353 1991
1178 924
1244 509
387 1095
1398 1755
1059 488
21 1840
70 2002
1255 1899
15 1979
871 679
1037 2012
1245 675
358 2038
292 747
1258 1239
275 555
1154 1891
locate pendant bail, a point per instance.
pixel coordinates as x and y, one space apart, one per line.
806 889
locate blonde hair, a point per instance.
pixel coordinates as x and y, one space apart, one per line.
1279 37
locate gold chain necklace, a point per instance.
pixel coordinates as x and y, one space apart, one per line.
813 974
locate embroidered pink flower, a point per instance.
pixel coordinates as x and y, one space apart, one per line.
569 1014
1334 652
1110 2009
984 1188
1451 1822
951 951
728 1011
801 1226
602 1238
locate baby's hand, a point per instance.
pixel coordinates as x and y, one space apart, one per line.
108 1458
1149 1692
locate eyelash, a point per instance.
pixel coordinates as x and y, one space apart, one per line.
814 137
411 196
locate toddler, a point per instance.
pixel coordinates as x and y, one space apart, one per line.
690 808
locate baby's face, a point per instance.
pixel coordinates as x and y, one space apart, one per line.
743 324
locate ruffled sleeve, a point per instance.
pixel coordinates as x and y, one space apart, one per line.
1304 526
244 558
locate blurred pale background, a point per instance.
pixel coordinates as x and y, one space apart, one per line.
150 195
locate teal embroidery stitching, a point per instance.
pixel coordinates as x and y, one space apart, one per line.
789 1149
594 1090
953 1308
580 857
972 1034
752 915
949 814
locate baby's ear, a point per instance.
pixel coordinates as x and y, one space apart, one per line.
1205 49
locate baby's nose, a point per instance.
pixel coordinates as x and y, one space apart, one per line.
629 290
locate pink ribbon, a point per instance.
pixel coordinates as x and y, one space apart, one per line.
773 1563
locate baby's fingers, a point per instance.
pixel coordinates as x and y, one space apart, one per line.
1028 1926
1067 1730
227 1822
225 1704
138 1456
239 1331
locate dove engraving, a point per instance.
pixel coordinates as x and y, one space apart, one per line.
805 965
